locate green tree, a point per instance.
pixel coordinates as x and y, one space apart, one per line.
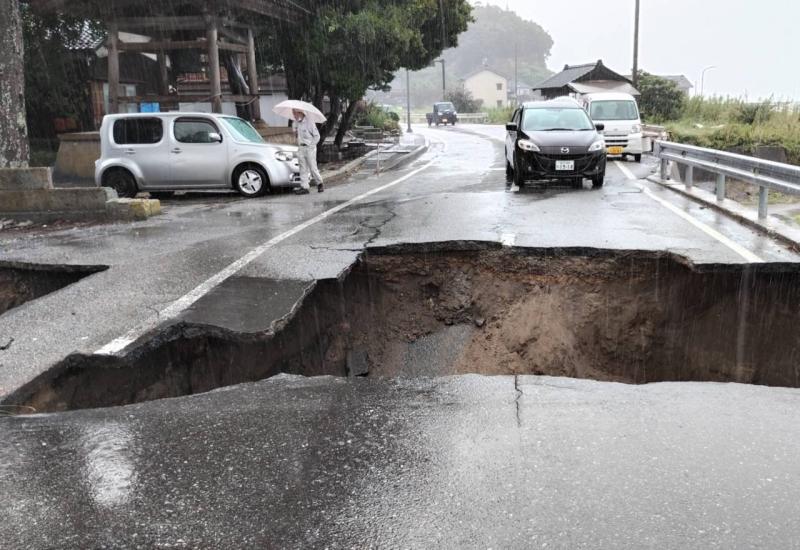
56 70
349 46
14 151
661 100
464 102
496 38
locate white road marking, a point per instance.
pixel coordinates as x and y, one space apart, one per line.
740 250
508 239
181 304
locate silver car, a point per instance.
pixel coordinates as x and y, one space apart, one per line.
166 152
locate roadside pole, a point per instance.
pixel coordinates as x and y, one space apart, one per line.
636 48
408 102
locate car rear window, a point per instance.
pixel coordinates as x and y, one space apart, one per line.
133 131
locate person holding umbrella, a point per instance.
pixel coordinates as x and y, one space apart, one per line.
305 117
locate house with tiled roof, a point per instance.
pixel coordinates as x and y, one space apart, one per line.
584 79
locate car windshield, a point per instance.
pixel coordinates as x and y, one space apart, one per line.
445 107
242 130
614 110
554 118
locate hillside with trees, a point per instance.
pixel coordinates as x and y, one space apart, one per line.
490 40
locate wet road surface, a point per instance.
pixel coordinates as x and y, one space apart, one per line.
453 463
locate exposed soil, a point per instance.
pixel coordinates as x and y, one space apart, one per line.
626 317
21 283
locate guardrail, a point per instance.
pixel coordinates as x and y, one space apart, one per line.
477 118
766 174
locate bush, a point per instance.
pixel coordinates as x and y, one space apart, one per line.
373 115
661 100
464 102
500 115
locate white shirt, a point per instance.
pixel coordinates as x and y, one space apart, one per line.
307 133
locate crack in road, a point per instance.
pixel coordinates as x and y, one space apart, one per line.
379 228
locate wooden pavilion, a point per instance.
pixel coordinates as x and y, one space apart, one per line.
206 27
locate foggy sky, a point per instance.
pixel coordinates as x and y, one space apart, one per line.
755 44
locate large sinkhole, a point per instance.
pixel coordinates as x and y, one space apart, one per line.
629 317
21 283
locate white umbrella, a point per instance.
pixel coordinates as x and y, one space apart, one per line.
285 108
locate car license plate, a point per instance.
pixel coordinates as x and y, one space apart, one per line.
615 150
565 165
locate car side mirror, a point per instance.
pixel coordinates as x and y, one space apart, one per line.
600 126
511 127
214 137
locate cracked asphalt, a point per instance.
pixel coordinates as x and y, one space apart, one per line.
463 462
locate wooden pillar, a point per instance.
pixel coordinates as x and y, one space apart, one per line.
113 69
252 75
212 35
164 76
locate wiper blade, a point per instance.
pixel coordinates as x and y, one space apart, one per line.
558 130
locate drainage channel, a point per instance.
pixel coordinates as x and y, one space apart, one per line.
632 317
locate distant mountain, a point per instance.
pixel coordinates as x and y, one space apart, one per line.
489 41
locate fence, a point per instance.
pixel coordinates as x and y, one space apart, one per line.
474 118
766 174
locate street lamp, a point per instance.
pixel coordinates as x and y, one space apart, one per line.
408 102
444 88
703 78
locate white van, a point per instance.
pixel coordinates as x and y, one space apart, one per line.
620 114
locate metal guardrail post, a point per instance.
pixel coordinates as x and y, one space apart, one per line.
763 201
720 187
689 177
664 169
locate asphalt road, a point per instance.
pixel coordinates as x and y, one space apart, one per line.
463 462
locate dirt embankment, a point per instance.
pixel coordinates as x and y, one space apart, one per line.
628 317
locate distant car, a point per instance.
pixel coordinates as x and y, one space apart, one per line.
554 140
620 115
167 152
443 113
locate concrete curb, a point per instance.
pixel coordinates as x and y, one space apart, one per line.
773 228
409 157
332 177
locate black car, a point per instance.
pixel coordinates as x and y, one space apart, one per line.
443 113
554 140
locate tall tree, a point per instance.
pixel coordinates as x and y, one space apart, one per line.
660 99
349 46
14 152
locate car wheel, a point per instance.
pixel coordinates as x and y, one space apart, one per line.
637 158
509 169
251 181
597 181
121 181
519 176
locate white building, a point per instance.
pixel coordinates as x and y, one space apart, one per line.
488 86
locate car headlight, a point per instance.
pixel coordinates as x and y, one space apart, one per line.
285 156
597 146
637 129
527 145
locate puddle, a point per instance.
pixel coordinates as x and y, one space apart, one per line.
629 317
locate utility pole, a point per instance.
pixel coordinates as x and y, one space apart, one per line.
636 48
444 45
516 74
444 86
408 102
